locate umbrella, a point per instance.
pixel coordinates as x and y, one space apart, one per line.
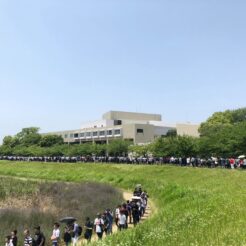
136 198
241 157
67 220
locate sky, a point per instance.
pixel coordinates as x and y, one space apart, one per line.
67 62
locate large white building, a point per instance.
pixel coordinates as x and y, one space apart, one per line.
140 128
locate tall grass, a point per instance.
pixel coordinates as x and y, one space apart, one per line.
195 206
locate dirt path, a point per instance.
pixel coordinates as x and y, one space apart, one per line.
127 196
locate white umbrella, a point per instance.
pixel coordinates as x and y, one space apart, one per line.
241 157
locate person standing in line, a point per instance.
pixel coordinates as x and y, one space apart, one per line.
106 223
129 209
122 220
110 217
67 238
124 210
39 238
117 214
99 225
75 233
232 163
88 229
8 241
14 238
27 238
135 214
55 235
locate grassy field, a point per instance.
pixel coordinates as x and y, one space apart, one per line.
27 204
194 206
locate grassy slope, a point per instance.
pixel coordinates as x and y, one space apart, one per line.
195 206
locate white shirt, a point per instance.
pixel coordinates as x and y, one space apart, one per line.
122 219
97 223
56 233
9 244
144 203
117 212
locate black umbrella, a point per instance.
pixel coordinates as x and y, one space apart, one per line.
67 220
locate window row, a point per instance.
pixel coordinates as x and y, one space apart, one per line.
93 134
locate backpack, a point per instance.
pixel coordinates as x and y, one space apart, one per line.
79 230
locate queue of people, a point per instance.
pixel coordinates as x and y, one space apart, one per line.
211 162
129 212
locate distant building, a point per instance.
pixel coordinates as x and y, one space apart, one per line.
138 128
188 129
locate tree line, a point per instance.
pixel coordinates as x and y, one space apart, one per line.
223 135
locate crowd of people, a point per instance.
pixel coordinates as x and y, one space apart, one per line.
210 162
127 213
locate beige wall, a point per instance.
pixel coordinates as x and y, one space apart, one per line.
188 129
147 136
130 132
117 115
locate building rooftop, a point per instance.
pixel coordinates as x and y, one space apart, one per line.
120 115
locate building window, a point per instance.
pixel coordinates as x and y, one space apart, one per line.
65 136
71 135
88 134
102 133
109 132
117 122
82 134
76 135
140 130
117 132
94 134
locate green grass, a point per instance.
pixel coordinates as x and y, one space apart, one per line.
195 206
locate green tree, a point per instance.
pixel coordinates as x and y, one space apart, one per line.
29 136
11 141
51 140
222 119
140 150
5 150
187 146
118 147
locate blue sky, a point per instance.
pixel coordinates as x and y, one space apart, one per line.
66 62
